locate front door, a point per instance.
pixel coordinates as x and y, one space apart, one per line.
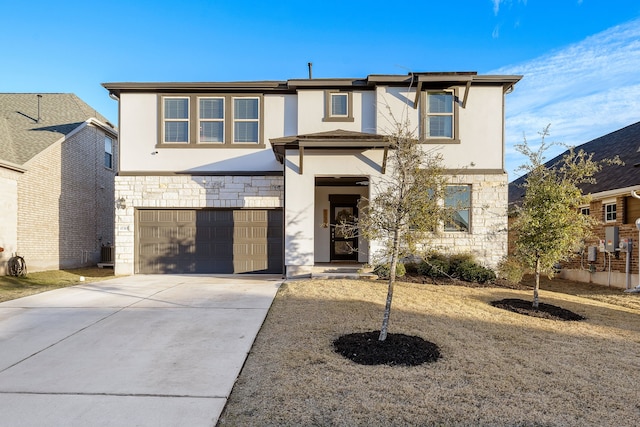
344 238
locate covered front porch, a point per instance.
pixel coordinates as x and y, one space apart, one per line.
328 178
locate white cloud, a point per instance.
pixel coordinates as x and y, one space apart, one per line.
584 91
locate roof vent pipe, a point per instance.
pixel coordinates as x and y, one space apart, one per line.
39 97
310 65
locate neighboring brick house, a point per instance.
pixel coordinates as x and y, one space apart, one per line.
57 168
237 177
612 204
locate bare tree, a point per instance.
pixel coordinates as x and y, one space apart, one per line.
407 207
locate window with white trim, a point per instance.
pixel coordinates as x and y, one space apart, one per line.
610 212
439 115
210 120
176 120
585 211
211 116
338 106
108 152
246 119
457 198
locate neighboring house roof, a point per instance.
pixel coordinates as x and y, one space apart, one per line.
624 143
30 122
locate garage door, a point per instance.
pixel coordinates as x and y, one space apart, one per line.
208 241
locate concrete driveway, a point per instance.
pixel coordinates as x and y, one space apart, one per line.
162 350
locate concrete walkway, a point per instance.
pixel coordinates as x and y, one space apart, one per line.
142 350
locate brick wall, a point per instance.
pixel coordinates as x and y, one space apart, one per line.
172 192
8 216
65 204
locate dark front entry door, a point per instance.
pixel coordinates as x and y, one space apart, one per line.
344 211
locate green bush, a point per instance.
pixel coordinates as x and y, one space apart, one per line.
383 270
511 270
434 267
469 271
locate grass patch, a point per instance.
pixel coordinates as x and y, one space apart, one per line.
33 283
497 367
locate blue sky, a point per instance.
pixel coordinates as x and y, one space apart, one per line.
580 58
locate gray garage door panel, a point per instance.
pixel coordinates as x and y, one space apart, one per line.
209 241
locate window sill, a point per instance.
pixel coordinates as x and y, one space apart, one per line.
211 145
439 141
338 119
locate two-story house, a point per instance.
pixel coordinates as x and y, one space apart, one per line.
57 169
239 177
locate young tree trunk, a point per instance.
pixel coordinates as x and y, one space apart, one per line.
392 279
537 286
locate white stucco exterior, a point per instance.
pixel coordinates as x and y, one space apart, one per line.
294 112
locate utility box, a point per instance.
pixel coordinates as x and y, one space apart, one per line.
592 254
611 239
626 244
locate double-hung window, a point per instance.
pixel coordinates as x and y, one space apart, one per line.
176 120
210 120
108 152
211 115
457 201
439 121
246 119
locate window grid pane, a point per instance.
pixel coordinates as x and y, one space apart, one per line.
176 131
211 108
441 102
176 108
245 109
212 131
441 126
245 132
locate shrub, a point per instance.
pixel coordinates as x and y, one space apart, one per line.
382 270
511 270
434 267
469 271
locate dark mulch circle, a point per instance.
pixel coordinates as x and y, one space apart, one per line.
398 349
545 311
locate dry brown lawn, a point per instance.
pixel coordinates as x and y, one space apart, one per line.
498 368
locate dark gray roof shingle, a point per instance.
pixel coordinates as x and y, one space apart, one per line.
624 143
22 135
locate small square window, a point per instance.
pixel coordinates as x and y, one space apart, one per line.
585 211
339 104
610 212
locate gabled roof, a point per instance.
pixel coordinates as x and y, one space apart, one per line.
26 129
624 143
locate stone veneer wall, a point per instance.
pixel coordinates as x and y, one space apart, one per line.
174 192
488 237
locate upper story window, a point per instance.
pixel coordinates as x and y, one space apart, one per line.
439 116
211 115
338 106
610 212
585 211
458 199
246 118
108 152
219 120
176 120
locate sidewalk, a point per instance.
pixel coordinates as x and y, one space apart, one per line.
135 351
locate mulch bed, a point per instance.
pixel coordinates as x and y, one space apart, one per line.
397 349
545 311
